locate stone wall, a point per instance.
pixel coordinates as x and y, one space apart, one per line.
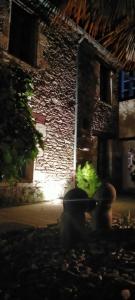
104 119
54 81
95 117
55 87
4 23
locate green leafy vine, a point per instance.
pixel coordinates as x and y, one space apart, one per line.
19 138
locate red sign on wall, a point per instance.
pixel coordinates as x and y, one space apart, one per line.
39 118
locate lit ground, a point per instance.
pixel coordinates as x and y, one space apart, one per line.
43 214
34 264
123 206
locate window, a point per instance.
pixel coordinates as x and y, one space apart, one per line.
105 84
22 41
126 85
26 173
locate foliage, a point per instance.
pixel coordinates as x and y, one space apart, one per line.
111 22
87 179
19 139
15 195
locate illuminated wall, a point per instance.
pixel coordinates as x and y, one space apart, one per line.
127 134
128 164
55 88
127 119
54 98
53 103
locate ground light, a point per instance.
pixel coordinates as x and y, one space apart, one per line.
52 189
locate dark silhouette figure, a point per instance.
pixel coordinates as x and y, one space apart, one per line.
75 204
105 196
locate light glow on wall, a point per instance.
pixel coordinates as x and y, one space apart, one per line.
126 119
52 189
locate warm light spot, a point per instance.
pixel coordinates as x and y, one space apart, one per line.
39 177
57 202
52 190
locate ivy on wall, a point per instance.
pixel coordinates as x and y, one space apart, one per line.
19 138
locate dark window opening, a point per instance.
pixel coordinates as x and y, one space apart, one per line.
22 41
126 85
103 158
26 172
105 88
85 123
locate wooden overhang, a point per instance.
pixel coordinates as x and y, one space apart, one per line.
44 9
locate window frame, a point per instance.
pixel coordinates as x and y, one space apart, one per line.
126 93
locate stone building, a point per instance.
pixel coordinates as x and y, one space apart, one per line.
75 99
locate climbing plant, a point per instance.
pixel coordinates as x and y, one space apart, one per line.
87 179
19 138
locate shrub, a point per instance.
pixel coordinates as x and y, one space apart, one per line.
87 179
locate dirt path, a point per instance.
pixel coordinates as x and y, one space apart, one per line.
43 214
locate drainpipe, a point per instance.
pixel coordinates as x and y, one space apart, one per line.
9 21
76 110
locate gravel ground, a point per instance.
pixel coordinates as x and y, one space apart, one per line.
34 265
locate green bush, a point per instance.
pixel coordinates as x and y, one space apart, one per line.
87 179
19 138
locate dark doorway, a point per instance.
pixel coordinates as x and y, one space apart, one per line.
105 156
